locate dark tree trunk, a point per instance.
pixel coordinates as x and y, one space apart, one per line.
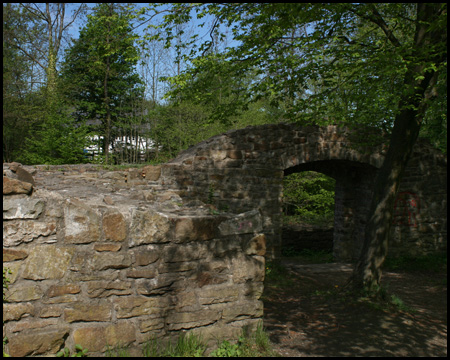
367 273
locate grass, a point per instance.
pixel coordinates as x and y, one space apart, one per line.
191 345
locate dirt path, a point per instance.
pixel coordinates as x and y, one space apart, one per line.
310 319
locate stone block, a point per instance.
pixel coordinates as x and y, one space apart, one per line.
51 311
185 252
88 312
47 262
107 247
151 172
243 310
82 223
216 294
104 288
257 245
24 208
188 320
156 286
146 255
142 273
31 324
109 260
149 226
195 228
90 337
248 268
14 254
133 306
23 292
96 338
17 311
114 226
151 324
37 341
24 176
14 186
248 222
58 290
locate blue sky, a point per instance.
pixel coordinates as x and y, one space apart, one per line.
193 28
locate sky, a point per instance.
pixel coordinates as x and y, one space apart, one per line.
77 25
203 33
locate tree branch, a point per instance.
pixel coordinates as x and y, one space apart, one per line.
378 20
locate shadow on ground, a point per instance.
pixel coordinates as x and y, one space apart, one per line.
309 318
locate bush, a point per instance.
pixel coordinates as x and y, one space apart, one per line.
309 196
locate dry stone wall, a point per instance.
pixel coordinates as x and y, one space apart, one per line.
117 257
113 258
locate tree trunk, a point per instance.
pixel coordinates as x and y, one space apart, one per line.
367 273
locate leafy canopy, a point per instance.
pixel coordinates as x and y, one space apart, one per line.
340 63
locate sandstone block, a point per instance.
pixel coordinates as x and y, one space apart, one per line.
142 273
217 294
82 223
149 226
24 208
17 311
114 226
96 338
58 290
248 222
257 245
14 186
146 255
37 341
152 173
188 320
63 299
248 268
184 253
109 260
51 311
24 176
14 254
47 262
133 306
23 292
194 228
151 324
156 286
31 324
106 288
88 312
242 310
90 337
107 247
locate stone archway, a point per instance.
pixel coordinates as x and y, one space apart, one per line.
242 170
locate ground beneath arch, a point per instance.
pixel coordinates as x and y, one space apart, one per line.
309 318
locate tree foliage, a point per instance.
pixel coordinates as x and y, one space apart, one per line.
343 63
309 195
99 71
36 127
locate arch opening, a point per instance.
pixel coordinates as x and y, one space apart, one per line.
352 195
308 214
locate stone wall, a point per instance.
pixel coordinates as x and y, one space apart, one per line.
111 258
243 170
118 257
